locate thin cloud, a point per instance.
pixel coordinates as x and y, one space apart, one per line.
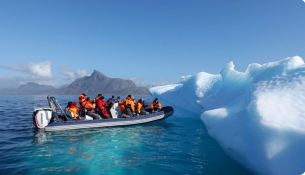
36 70
72 75
38 73
138 81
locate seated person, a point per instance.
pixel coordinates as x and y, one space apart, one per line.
81 98
121 105
101 105
141 107
128 106
155 106
97 97
72 110
90 106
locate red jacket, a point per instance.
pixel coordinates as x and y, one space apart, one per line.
101 106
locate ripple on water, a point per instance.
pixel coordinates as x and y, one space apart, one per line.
171 146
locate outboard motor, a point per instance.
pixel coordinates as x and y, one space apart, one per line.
42 117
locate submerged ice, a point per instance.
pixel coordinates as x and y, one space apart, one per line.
257 116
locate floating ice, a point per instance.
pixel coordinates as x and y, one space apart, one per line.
257 116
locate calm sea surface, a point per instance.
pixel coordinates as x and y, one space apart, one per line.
176 145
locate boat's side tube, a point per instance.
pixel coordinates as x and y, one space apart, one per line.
42 117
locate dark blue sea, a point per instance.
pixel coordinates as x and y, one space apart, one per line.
176 145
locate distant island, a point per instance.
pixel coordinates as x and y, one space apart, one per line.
97 83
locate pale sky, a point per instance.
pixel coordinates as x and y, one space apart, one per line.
151 42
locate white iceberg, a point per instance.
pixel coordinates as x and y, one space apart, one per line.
257 116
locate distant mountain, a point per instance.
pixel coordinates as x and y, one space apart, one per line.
62 86
98 83
33 88
29 89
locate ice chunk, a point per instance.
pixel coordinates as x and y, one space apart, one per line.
162 89
257 116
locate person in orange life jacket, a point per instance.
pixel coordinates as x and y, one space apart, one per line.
90 108
72 107
81 99
135 104
101 105
155 106
128 105
69 111
140 107
121 103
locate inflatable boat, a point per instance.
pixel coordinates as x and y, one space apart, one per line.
56 119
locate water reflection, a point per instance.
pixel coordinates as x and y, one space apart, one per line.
101 148
39 137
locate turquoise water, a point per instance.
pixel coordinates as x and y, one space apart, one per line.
177 145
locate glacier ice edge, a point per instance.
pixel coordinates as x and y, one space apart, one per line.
256 116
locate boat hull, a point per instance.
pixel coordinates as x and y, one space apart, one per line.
82 124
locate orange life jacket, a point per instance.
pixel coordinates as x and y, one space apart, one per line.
155 104
139 106
81 100
127 103
122 108
73 110
88 105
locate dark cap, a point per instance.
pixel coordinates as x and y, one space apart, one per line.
69 103
84 94
156 99
102 97
99 95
